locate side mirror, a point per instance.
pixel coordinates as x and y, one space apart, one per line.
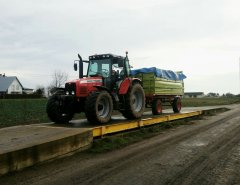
75 66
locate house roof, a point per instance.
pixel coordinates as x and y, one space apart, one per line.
5 82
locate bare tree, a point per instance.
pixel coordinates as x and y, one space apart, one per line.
59 79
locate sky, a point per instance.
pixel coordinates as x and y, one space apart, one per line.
200 38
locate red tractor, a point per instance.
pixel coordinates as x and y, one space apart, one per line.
107 86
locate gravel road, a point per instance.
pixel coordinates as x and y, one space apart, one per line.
206 152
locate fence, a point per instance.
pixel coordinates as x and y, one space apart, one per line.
20 96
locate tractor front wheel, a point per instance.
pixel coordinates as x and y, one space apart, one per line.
59 110
99 107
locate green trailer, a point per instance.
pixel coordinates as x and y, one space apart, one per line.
161 89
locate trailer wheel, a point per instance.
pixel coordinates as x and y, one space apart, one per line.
177 105
134 102
157 107
99 107
58 110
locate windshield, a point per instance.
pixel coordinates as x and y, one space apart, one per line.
99 67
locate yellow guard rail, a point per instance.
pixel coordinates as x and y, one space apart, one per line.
123 126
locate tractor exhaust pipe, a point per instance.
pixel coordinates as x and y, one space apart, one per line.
80 66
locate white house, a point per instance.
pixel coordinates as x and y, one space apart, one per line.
10 85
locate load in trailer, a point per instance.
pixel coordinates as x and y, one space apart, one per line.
107 85
161 87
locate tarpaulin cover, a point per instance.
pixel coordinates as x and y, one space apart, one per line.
161 73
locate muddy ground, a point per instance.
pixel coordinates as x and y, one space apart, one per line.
205 152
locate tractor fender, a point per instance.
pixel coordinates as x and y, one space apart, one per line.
124 86
126 83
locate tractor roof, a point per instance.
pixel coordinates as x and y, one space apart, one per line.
103 56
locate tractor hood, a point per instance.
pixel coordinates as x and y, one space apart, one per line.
84 86
91 80
88 80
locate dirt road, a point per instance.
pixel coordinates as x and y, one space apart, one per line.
206 152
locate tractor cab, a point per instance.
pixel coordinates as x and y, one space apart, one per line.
111 68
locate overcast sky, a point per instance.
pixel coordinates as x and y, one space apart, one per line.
199 37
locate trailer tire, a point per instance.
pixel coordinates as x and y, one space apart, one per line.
134 102
58 110
99 107
157 107
177 105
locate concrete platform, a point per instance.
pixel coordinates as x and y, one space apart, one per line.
23 146
27 145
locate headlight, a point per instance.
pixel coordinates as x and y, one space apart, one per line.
73 93
67 93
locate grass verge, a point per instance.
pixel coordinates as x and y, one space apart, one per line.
199 102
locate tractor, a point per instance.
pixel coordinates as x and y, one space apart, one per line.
105 86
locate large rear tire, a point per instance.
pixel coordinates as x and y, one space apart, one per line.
177 105
134 102
59 110
99 107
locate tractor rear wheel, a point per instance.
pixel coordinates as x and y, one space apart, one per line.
157 107
134 102
177 105
59 110
99 107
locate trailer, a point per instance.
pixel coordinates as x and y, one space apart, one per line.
161 87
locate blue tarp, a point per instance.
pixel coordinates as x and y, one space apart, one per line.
161 73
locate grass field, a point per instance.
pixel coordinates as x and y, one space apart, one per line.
29 111
198 102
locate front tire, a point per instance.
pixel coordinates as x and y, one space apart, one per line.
134 102
59 110
99 107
